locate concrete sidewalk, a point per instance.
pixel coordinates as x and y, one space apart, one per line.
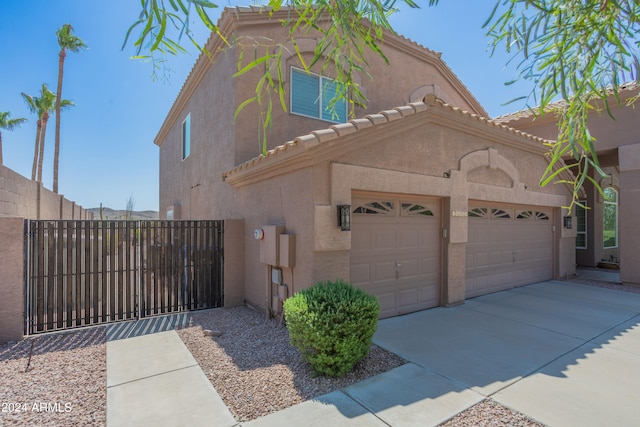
153 380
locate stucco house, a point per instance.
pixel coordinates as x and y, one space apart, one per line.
420 200
608 230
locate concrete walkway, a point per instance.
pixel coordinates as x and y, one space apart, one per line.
563 354
153 380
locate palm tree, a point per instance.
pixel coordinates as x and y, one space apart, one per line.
34 104
42 106
67 42
7 123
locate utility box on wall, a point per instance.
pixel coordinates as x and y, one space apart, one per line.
270 244
287 250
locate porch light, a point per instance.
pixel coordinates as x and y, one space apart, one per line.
344 217
567 222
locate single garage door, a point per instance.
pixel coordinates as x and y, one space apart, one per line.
395 252
508 246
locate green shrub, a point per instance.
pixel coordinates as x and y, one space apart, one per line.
332 324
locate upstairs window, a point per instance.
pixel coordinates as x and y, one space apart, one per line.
186 137
610 218
312 96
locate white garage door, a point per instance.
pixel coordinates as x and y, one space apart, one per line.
508 246
395 252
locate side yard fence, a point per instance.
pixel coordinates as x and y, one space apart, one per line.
57 275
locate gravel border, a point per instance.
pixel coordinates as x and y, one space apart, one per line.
254 368
65 383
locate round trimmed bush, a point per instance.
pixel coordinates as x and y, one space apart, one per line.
332 325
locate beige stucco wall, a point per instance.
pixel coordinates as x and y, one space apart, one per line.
218 143
11 279
285 200
409 156
629 220
615 143
234 262
22 197
195 183
412 72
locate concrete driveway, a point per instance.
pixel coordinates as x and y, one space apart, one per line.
563 354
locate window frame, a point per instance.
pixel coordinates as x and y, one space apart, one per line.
582 232
186 137
320 100
604 222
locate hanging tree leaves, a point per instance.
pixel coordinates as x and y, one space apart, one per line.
579 51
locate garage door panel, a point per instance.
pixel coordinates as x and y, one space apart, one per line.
385 271
409 239
507 252
360 273
408 235
408 297
387 302
360 240
384 239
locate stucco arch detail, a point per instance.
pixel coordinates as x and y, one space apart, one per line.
489 158
612 180
419 94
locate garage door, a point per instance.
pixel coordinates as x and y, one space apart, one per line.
395 252
508 246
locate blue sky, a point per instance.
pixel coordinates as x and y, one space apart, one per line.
107 150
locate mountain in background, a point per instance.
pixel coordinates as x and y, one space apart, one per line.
113 214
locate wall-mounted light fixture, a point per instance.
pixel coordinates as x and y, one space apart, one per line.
344 217
567 222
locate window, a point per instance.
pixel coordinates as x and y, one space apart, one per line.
581 226
375 208
312 96
610 218
186 137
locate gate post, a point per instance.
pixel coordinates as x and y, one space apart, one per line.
12 278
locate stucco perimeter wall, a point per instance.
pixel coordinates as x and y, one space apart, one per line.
11 279
22 197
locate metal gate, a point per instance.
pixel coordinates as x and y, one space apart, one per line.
82 273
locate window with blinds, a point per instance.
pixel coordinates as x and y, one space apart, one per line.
315 96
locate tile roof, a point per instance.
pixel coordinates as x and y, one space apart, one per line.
373 120
530 112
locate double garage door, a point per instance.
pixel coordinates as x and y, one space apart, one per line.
507 246
395 252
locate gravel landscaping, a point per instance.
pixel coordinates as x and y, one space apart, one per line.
255 369
65 383
252 366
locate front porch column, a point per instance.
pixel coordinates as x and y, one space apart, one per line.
628 218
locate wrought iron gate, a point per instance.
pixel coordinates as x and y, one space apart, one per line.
82 273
